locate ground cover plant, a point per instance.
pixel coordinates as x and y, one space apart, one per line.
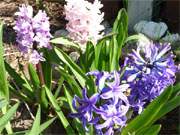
103 91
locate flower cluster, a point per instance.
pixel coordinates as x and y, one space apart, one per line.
145 75
107 108
33 33
84 20
149 71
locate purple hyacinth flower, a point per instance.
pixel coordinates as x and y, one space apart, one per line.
149 72
100 78
156 59
35 57
114 117
109 85
24 28
42 28
33 33
85 108
114 89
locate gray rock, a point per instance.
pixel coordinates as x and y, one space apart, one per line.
107 27
171 38
151 29
74 56
61 32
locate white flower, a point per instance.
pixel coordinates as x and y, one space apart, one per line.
84 20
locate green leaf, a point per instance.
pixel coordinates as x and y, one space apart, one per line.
71 81
47 69
59 112
169 106
43 98
46 125
58 90
35 130
6 117
98 48
79 74
149 114
3 103
65 42
136 38
20 95
21 82
176 90
121 27
69 99
34 77
86 59
153 130
4 91
150 130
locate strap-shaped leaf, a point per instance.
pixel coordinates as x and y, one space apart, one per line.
149 114
34 77
121 27
65 42
59 112
78 73
3 103
21 82
6 117
153 130
176 90
36 124
47 69
76 89
169 106
4 91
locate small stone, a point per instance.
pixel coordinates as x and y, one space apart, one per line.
171 38
60 33
74 56
151 29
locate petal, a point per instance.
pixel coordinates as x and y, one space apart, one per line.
84 93
110 131
132 77
163 51
88 115
107 123
94 98
107 95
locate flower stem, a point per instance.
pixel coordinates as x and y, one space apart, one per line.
42 96
40 73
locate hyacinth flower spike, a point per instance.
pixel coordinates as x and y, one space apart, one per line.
149 72
155 60
84 20
33 33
